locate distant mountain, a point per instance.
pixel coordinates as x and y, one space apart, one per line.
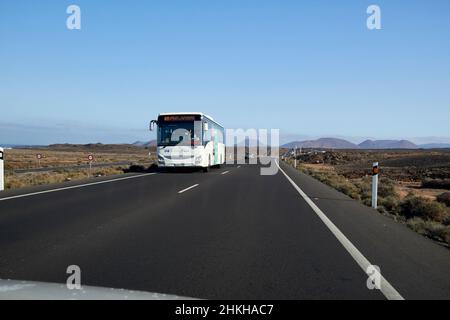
151 143
322 143
387 144
21 146
435 146
93 147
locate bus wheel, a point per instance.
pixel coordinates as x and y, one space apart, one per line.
219 165
206 169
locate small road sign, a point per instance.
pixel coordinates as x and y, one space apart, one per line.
90 158
39 157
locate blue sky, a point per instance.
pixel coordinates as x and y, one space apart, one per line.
310 68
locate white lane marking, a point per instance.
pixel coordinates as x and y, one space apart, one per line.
191 187
386 288
238 167
75 187
225 172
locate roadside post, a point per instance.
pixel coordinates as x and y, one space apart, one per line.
295 157
375 171
90 159
39 157
2 178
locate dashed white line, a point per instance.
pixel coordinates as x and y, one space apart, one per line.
75 187
386 288
238 167
225 172
191 187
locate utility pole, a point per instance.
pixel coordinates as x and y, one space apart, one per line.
375 171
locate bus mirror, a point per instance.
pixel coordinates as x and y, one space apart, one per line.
152 125
205 126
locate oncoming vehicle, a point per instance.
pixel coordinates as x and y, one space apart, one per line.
189 139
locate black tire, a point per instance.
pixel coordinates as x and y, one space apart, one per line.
220 163
209 164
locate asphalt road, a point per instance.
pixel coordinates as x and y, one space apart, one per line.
227 234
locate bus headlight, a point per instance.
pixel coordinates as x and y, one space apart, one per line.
198 159
160 159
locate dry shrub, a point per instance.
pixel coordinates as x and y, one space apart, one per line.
412 207
444 198
430 229
386 188
436 184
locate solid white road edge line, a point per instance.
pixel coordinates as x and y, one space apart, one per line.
191 187
75 187
386 288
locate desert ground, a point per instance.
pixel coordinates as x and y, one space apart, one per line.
67 162
414 185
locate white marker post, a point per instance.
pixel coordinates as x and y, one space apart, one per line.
90 158
39 157
295 157
2 179
375 171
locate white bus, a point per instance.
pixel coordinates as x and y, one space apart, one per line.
189 139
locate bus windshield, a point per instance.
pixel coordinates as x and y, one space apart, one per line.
175 133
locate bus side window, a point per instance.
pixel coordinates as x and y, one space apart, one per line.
207 134
220 135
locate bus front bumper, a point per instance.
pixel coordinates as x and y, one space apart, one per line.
179 163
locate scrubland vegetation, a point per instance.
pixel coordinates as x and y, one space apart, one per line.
64 163
73 155
412 192
15 181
